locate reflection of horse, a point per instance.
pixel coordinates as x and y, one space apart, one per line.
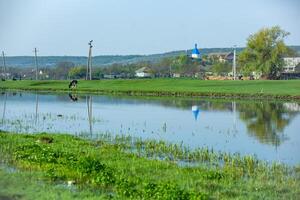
73 84
73 97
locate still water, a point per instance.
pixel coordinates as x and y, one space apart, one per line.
269 130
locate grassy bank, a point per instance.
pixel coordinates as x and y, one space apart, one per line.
171 87
127 169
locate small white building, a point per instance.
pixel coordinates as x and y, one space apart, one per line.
195 53
144 72
176 75
290 64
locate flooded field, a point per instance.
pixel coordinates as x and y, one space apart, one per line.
269 130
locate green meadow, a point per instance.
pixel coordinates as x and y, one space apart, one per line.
171 87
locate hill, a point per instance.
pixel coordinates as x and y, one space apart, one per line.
51 61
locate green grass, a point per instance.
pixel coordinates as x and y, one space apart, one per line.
31 185
171 87
127 169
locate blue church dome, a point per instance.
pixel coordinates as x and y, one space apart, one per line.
195 50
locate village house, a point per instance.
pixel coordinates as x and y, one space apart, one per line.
291 68
290 64
144 72
221 57
176 75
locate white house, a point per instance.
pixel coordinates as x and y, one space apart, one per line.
144 72
290 64
176 75
195 53
222 57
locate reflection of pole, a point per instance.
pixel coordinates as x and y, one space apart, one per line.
4 108
234 114
90 113
36 107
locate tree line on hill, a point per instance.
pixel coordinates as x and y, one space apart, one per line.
263 54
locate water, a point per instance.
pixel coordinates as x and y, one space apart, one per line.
269 130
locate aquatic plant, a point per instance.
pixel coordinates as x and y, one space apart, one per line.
121 168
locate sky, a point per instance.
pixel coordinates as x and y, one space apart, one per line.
124 27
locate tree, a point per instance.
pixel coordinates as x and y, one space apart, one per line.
77 72
61 70
264 52
220 67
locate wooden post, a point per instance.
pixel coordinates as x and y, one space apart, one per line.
36 65
4 64
89 63
234 63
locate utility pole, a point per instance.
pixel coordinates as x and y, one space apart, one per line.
89 63
36 65
4 64
234 63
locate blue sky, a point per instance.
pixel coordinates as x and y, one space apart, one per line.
64 27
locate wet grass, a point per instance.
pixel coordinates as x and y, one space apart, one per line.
171 87
28 185
126 168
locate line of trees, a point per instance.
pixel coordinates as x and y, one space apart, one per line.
263 54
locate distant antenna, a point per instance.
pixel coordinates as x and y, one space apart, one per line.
89 63
234 63
36 65
4 64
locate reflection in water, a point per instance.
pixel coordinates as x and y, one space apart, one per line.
89 100
4 108
73 97
230 126
36 108
195 110
234 115
266 121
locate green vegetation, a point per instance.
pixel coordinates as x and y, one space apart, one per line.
28 185
124 168
170 87
219 68
77 72
264 52
105 60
